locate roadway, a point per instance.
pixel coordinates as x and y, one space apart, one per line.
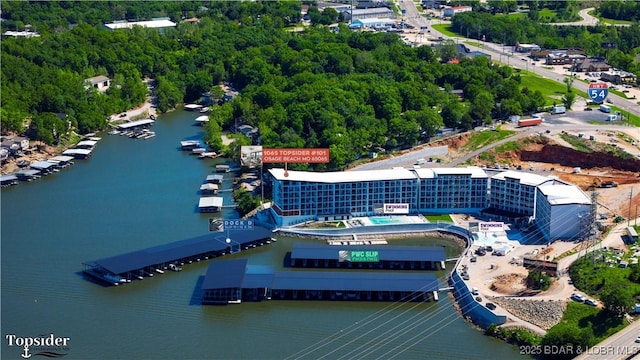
414 18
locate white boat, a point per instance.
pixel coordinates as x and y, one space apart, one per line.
159 271
114 132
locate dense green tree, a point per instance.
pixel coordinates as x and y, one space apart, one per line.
567 335
617 298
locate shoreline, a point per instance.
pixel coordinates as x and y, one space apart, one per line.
39 151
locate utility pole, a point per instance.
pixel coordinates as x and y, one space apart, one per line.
630 197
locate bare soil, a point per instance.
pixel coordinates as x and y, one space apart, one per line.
509 284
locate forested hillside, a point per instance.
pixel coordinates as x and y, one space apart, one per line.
348 91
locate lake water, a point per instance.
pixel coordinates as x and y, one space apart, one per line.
134 194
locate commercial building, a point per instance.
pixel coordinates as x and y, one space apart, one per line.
451 11
372 24
159 23
372 13
556 207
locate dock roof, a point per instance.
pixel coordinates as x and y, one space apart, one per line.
386 252
166 253
89 143
77 152
225 274
354 281
42 165
61 158
237 274
27 172
210 201
8 177
215 178
133 124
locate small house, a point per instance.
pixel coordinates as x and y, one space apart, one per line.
100 83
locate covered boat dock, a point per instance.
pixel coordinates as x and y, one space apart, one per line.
210 204
390 257
8 180
45 167
233 281
138 264
28 174
78 153
133 125
61 161
86 144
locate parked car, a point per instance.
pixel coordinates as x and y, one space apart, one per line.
491 306
638 339
588 109
474 291
591 302
578 298
474 259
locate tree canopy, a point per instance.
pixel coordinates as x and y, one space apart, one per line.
352 92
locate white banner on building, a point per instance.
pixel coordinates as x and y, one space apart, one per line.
396 208
491 226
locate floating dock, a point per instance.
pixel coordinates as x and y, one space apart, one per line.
139 264
388 257
233 281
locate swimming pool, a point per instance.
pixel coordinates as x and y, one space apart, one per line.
389 220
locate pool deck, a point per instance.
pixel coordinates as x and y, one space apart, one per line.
385 220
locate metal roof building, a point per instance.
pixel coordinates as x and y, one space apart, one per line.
140 263
368 256
233 281
155 24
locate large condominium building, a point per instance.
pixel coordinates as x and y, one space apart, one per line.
300 196
562 211
513 193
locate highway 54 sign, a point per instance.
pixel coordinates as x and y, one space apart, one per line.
598 92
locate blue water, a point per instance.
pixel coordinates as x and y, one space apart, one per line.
133 194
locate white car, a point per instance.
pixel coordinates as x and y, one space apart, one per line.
578 298
638 339
591 302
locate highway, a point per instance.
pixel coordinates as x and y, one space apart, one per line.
413 17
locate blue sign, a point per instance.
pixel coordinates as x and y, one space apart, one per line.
238 224
404 11
598 92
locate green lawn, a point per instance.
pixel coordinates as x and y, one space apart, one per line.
550 89
440 217
547 15
444 29
482 138
608 21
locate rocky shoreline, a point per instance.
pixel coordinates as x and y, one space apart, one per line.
544 314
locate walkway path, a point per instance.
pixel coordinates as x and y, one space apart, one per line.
586 19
